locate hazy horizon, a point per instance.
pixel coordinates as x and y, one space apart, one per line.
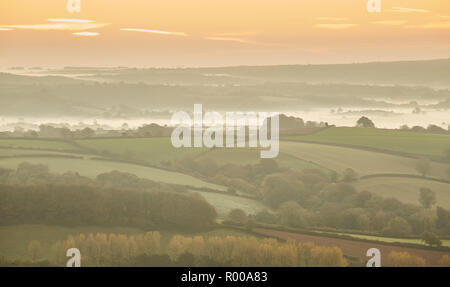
220 33
14 69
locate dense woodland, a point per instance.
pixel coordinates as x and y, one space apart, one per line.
314 198
71 200
307 199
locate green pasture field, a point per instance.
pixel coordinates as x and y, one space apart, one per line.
24 152
224 203
406 189
362 161
243 156
37 144
92 168
150 150
392 140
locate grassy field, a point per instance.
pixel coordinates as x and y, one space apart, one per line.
243 156
23 152
405 189
36 144
296 155
445 242
225 203
394 140
14 239
362 161
91 168
151 150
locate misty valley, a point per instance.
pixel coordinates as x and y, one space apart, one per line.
362 161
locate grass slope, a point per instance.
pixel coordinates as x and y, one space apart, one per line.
364 162
37 144
225 203
243 156
393 140
406 189
92 168
151 150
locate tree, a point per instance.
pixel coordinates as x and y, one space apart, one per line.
436 129
58 254
404 259
177 246
445 261
427 197
266 216
443 217
268 165
333 176
278 189
430 238
66 133
362 198
349 175
417 110
397 227
423 166
291 214
418 129
447 153
35 250
87 132
208 167
237 216
365 123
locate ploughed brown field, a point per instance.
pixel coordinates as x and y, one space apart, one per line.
353 248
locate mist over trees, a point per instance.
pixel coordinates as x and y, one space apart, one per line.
146 206
303 199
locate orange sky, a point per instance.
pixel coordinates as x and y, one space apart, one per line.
220 32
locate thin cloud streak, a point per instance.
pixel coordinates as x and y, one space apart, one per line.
408 10
234 34
393 22
331 19
86 34
154 31
432 25
335 26
237 40
70 20
57 26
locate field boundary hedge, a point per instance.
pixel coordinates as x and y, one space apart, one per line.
404 175
40 155
348 237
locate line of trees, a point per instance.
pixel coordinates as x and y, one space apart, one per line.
103 249
145 250
71 205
